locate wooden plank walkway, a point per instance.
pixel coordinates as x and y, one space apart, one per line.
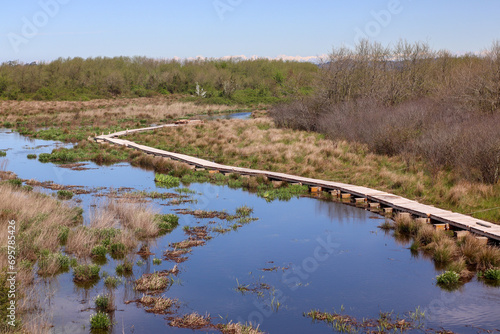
398 203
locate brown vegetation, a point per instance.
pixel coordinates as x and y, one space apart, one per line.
409 101
191 321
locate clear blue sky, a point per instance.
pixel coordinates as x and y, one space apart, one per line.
191 28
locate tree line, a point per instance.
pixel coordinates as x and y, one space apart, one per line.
218 81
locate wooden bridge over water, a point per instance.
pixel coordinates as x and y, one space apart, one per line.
373 198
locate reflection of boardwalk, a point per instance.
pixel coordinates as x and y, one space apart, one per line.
398 203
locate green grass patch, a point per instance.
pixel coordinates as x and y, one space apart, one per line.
166 181
64 194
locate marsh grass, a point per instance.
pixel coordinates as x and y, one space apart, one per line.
86 272
100 321
153 282
238 328
158 305
191 321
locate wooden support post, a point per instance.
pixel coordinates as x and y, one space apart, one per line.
388 211
346 196
440 227
213 171
199 169
315 189
405 215
374 206
423 220
360 200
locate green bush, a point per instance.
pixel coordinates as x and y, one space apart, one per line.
31 156
112 282
100 321
64 194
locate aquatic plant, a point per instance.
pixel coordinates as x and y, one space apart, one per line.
244 211
124 268
448 279
86 272
3 153
103 303
167 181
31 156
492 274
153 282
192 321
117 249
100 321
99 251
112 281
167 222
156 261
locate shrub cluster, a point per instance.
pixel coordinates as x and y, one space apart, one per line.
411 101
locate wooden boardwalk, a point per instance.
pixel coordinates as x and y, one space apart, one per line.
397 203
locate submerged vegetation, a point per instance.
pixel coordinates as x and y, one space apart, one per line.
387 322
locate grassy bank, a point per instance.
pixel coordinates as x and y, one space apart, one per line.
259 144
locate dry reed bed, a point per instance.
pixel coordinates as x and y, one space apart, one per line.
259 144
101 113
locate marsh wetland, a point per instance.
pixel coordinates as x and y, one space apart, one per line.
215 254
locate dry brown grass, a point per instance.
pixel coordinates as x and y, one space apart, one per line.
192 321
158 305
136 217
237 328
104 111
38 215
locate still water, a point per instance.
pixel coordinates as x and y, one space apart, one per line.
329 256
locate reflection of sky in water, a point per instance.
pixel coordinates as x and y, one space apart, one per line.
366 272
